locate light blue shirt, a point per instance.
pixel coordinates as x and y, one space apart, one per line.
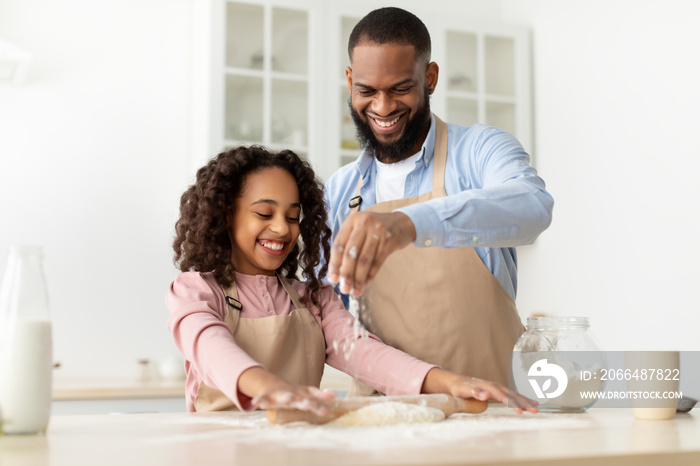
495 200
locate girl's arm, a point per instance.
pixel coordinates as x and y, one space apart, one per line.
393 372
441 381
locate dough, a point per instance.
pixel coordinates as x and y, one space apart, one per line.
389 413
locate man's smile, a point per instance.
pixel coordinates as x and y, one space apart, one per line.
384 126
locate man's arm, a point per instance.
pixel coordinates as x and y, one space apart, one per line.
505 205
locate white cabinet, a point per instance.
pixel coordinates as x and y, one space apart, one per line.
272 72
267 73
254 76
485 77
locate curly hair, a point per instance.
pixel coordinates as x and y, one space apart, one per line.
201 235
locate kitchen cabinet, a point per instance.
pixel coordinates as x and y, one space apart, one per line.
79 397
267 75
272 72
255 78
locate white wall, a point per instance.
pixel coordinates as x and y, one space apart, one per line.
93 153
616 101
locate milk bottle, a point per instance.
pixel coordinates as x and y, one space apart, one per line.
25 344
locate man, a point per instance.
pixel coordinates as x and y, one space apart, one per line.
425 223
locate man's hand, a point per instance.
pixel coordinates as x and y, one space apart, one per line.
362 245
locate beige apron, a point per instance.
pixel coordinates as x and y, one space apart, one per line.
440 305
290 346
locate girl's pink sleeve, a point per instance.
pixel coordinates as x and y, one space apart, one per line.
196 305
362 355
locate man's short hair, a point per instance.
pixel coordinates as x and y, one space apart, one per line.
392 26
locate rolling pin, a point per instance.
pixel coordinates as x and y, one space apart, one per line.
446 403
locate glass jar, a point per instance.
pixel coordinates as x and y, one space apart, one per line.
558 362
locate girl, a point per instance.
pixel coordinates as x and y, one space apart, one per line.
253 336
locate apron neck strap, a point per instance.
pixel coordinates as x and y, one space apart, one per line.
293 295
439 156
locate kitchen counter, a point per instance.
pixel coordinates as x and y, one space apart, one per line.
116 388
498 436
97 389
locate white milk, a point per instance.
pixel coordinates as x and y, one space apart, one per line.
26 365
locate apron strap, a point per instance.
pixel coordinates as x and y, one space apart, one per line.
296 299
233 306
439 158
439 163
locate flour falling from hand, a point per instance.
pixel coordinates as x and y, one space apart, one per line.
389 413
347 346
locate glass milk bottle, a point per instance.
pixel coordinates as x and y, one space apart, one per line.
25 344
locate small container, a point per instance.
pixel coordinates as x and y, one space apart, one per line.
25 344
555 360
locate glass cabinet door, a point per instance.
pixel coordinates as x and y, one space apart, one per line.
499 81
463 79
348 146
481 80
266 76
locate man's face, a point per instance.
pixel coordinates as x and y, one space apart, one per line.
389 98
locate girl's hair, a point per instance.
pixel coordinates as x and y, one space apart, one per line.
202 242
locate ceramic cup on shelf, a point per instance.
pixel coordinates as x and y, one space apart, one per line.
654 381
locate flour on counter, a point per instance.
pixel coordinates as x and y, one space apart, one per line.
463 429
389 413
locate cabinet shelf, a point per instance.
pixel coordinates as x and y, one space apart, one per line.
299 150
230 71
505 99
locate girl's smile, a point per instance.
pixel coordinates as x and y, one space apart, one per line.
272 247
264 225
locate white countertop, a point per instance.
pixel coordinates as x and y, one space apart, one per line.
498 436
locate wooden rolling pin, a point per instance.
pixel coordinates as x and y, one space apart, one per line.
336 408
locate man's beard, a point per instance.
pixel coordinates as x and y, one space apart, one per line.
400 149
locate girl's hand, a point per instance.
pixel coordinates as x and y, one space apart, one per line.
271 392
442 381
295 397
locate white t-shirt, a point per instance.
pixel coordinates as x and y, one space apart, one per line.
391 178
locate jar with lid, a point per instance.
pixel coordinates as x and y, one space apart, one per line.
25 344
555 361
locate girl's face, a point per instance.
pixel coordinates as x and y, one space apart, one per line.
264 225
